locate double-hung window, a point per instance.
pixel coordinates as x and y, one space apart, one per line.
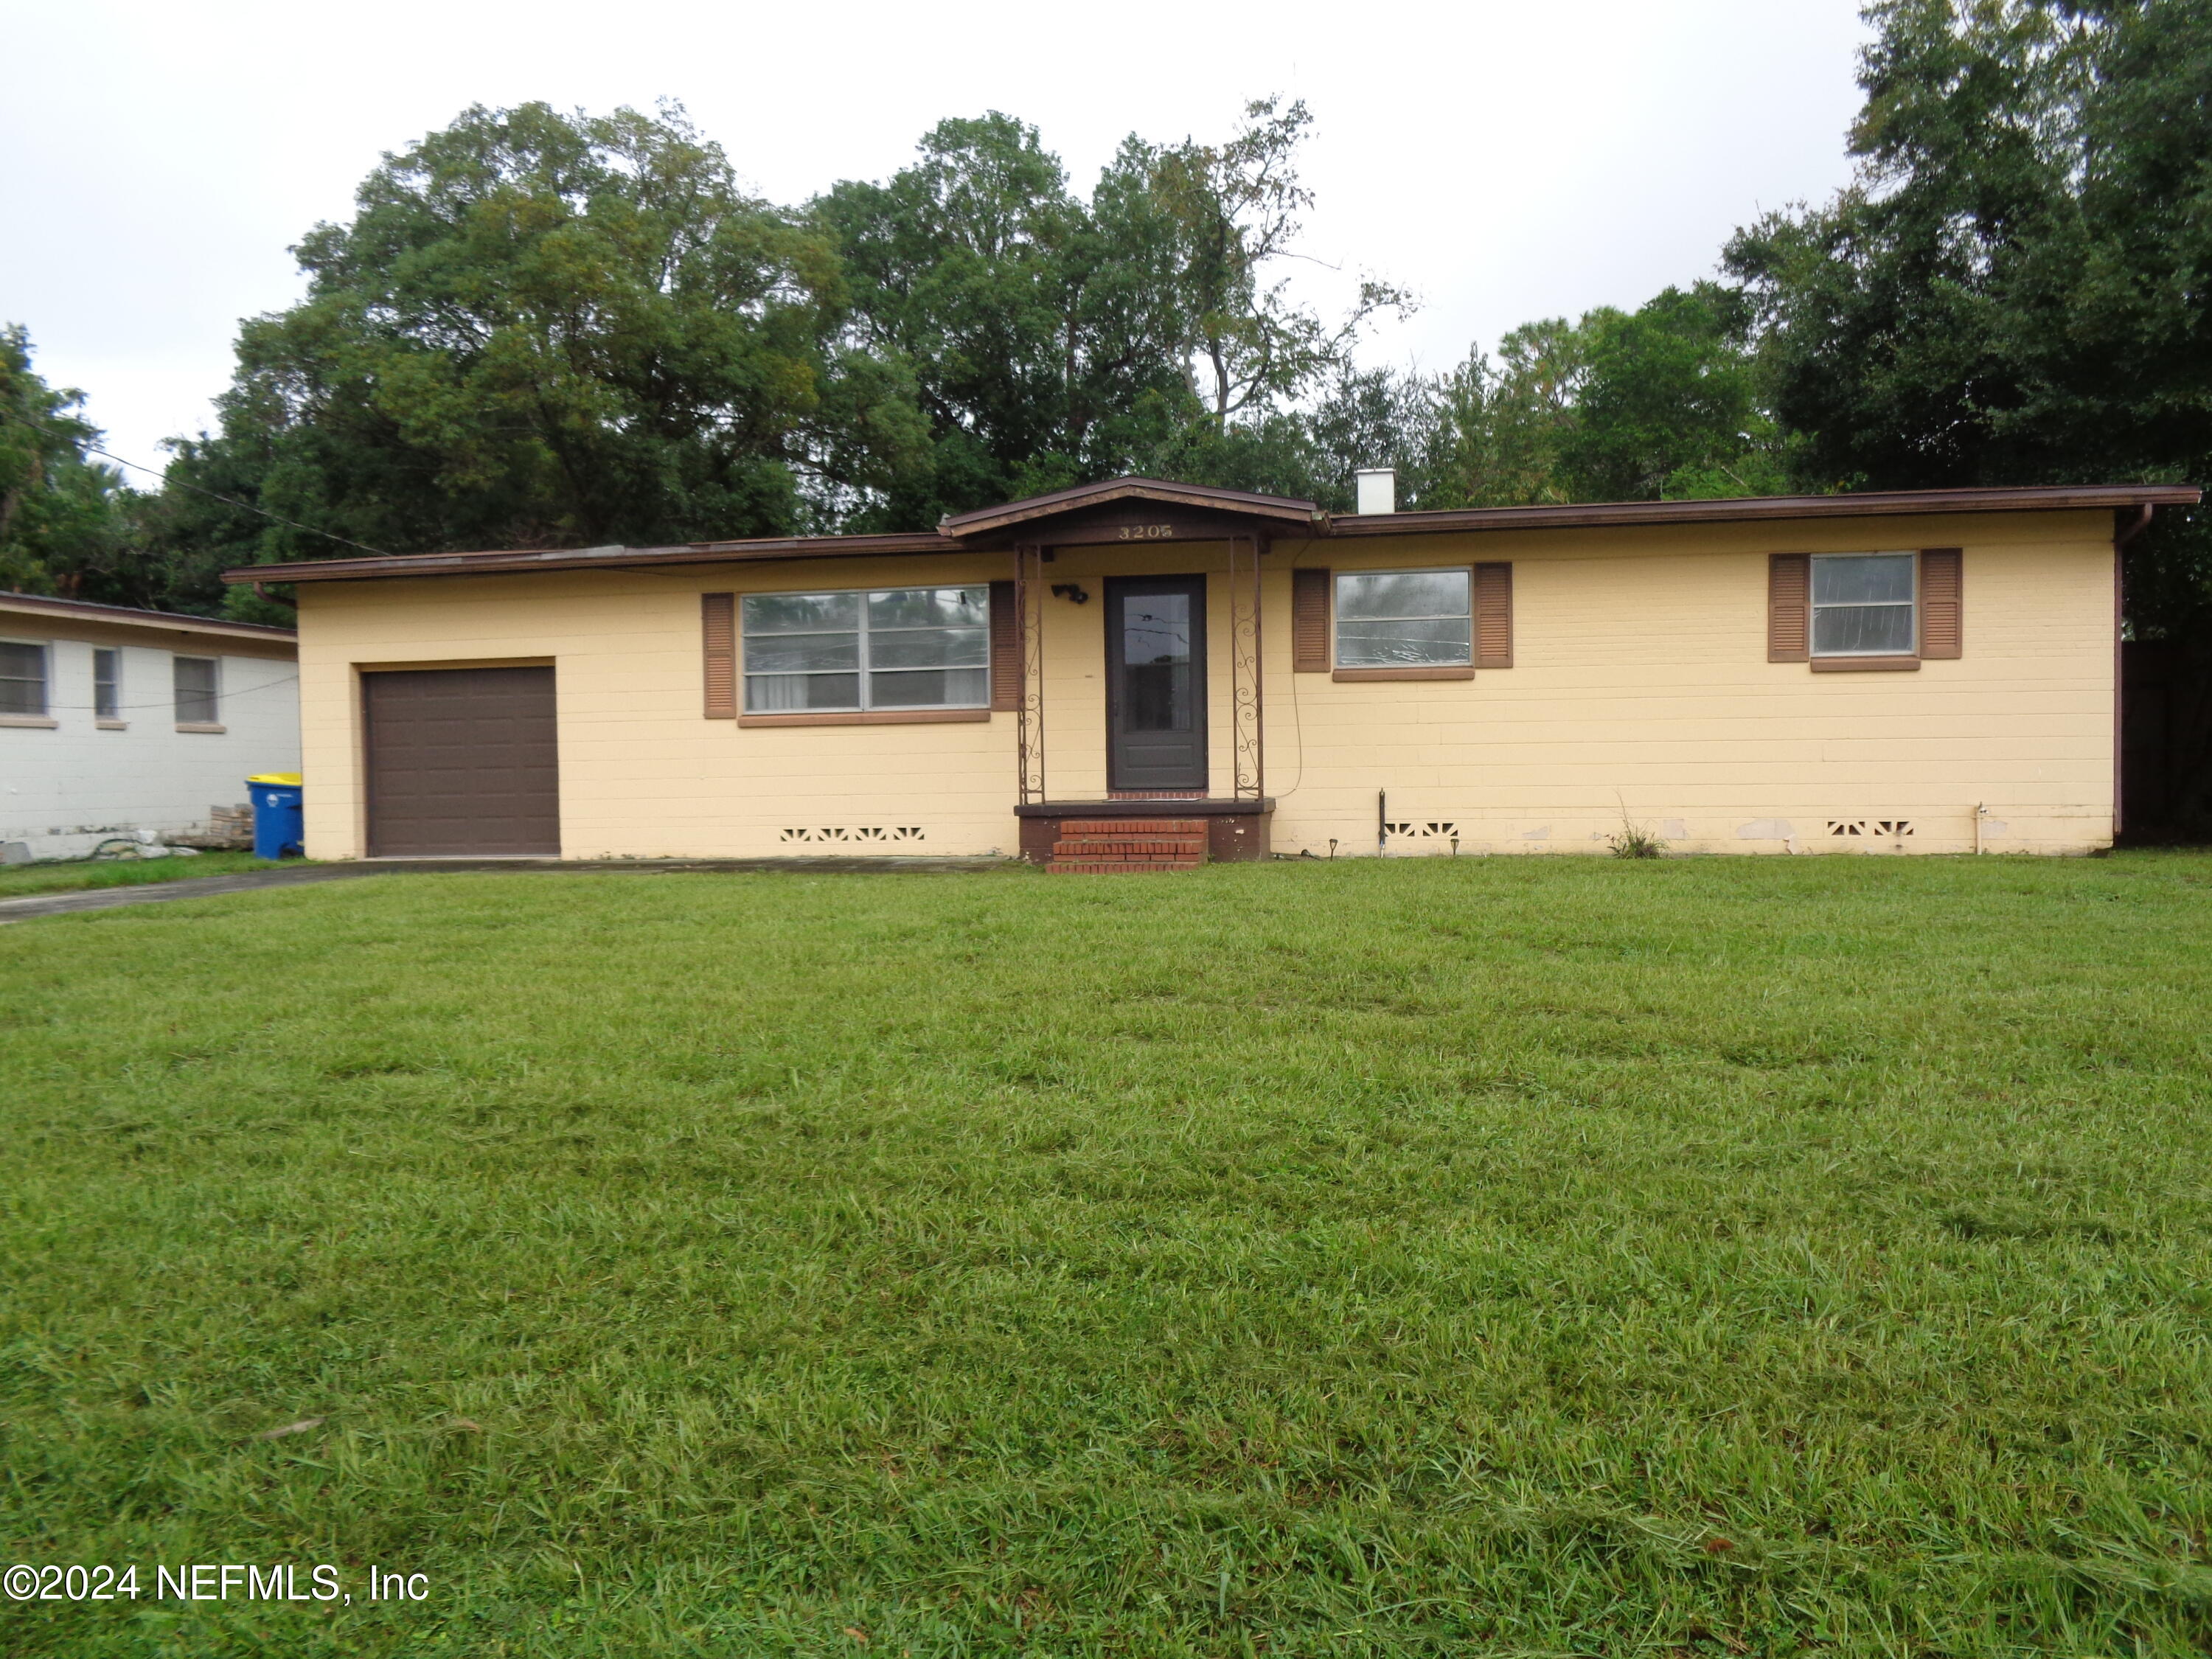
197 703
22 679
1864 604
898 647
107 683
1405 618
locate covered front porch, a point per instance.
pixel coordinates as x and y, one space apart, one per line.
1139 644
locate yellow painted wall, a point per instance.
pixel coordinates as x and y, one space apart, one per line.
1640 684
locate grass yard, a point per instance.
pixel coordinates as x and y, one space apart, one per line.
36 880
1535 1255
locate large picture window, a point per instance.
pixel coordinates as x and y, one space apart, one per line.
1405 618
1864 606
22 679
899 648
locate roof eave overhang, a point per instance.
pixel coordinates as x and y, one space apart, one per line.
537 562
1759 509
118 615
998 528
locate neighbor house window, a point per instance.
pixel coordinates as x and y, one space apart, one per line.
106 684
900 648
1405 618
1863 605
196 692
22 679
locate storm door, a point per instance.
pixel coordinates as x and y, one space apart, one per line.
1156 682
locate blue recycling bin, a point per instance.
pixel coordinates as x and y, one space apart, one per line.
277 827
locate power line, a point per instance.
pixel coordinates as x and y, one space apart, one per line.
169 483
221 695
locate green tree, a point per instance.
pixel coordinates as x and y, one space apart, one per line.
1665 402
1504 426
542 329
65 518
1040 331
1238 209
1053 340
2012 289
1670 403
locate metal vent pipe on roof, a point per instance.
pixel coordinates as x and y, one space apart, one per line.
1378 489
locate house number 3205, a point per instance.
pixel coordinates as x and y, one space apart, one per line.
1146 532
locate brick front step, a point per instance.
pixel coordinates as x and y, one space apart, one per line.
1101 867
1126 847
1132 827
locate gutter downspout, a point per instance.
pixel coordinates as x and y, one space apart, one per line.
2121 538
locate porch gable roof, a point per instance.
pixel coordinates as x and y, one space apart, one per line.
1036 515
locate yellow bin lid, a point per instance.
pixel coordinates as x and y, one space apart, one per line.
292 778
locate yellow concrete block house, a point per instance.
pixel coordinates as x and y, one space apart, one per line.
1136 666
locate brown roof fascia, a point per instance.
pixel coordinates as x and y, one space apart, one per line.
1761 509
1285 508
498 563
124 616
957 531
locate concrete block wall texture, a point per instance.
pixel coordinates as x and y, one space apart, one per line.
64 788
1640 691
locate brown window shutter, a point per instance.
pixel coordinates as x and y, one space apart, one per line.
1309 621
1942 630
718 631
1493 616
1788 607
1006 649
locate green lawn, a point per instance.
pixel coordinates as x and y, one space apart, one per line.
1515 1255
35 880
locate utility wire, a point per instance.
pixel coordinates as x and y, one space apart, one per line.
168 484
221 697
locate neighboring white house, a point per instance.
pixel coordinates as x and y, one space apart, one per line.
115 722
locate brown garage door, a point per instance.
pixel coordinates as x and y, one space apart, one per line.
461 762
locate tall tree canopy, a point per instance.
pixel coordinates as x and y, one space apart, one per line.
1053 340
549 329
1667 401
2014 288
64 516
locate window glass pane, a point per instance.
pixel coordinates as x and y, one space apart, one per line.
930 648
1156 679
1863 578
22 679
1855 630
801 613
926 648
1403 593
956 688
1440 641
930 607
778 694
788 653
106 666
195 685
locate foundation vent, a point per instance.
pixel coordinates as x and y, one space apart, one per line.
1870 829
1423 829
862 833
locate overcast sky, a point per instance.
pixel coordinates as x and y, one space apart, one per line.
1504 160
